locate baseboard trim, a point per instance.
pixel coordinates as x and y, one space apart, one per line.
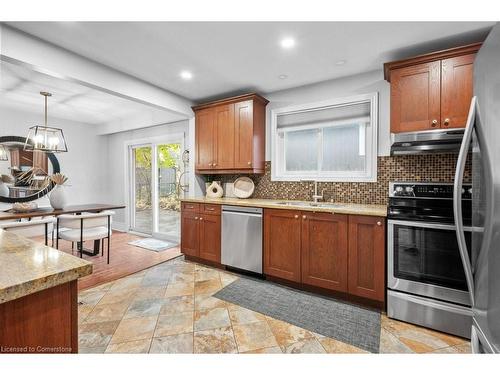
120 227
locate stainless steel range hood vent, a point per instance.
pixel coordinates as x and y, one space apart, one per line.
427 142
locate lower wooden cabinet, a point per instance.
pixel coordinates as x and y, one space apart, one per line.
210 233
324 250
201 232
367 257
282 244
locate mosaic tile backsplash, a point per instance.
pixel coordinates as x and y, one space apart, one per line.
422 168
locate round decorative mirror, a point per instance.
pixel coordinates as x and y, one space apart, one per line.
24 174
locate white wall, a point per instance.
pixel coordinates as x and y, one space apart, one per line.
117 161
85 163
348 86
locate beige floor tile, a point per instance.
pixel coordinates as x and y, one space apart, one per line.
120 295
203 274
286 333
335 346
96 334
107 312
210 319
144 307
83 312
219 340
149 292
178 304
130 347
227 278
93 350
175 344
253 336
127 283
389 344
90 297
134 329
271 350
174 324
457 349
308 346
179 289
207 301
207 286
182 277
241 315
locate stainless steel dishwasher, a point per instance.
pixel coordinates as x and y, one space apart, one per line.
242 238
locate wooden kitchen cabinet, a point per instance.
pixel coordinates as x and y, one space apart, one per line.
366 265
230 135
324 250
201 231
431 91
282 244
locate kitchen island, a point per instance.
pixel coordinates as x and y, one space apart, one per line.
38 297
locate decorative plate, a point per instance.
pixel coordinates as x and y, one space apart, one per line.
243 187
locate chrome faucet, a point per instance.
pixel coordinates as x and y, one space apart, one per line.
316 197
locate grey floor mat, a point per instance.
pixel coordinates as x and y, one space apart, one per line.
329 317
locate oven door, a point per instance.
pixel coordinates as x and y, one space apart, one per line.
424 259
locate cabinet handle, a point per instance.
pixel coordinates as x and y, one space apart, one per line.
201 218
249 163
379 223
209 164
196 217
446 122
434 123
304 217
214 164
296 216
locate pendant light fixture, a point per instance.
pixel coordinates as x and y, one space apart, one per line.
3 153
45 138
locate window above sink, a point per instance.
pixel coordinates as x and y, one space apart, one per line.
334 140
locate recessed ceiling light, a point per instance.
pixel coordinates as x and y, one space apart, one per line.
340 62
187 75
283 76
287 43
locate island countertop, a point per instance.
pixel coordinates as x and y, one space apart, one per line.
340 208
28 267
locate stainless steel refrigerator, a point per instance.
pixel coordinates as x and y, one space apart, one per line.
482 137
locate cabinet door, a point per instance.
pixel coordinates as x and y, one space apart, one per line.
243 126
415 97
324 250
210 232
367 257
190 233
456 90
205 138
224 141
282 244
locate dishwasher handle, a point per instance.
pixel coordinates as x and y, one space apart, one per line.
241 213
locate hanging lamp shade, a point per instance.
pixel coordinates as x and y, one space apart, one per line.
45 138
4 153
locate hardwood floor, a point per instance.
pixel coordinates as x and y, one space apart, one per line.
125 259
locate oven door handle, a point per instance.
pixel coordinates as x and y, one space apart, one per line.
457 198
418 224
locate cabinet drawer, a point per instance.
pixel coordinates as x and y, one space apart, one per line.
211 209
190 207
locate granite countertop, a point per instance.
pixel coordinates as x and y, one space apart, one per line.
28 267
340 208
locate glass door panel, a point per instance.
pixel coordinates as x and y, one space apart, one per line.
169 166
142 220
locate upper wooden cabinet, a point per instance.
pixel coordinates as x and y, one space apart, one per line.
431 91
230 135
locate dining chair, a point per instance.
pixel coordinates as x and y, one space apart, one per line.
85 227
32 228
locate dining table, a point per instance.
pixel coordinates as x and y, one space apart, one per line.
10 214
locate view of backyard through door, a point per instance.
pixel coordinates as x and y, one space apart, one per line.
156 175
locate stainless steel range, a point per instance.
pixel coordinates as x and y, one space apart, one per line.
425 276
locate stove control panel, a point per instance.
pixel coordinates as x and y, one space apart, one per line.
426 190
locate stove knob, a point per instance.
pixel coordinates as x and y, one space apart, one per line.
469 190
398 190
409 189
463 191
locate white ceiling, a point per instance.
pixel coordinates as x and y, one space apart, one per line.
20 89
236 57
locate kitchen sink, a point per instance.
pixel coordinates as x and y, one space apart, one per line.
312 204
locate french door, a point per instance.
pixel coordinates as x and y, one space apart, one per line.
156 182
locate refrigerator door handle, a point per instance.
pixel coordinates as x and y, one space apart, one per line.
457 198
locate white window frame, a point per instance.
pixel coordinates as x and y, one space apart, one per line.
278 161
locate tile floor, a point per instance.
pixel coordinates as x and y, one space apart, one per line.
169 308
